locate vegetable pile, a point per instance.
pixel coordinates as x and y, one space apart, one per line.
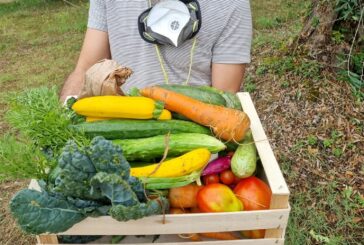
141 155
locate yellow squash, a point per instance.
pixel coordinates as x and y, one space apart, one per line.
120 107
179 166
166 115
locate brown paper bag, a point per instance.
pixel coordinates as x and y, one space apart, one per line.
105 78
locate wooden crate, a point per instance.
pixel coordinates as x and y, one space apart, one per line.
273 220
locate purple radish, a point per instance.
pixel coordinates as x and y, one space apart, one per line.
218 165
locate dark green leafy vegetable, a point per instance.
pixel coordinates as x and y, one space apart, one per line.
108 158
125 213
38 212
76 171
112 186
77 239
88 181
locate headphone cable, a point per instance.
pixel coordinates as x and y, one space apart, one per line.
161 63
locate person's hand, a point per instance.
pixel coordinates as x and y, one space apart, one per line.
95 47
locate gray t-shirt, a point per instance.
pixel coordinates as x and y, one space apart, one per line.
225 37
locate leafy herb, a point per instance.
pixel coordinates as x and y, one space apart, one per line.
30 163
38 114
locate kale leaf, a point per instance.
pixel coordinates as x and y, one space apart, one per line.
75 174
114 188
140 210
38 212
88 181
108 158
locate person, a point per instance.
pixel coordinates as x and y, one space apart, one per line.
216 56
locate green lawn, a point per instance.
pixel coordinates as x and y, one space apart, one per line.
40 42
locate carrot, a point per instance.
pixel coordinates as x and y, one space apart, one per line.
183 197
228 124
220 235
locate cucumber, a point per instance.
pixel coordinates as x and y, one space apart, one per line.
147 149
132 129
202 93
244 161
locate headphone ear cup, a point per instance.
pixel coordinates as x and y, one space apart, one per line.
142 27
197 13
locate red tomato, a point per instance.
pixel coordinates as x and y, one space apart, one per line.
236 180
210 179
227 177
218 198
253 193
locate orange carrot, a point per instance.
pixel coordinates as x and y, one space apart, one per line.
228 124
220 235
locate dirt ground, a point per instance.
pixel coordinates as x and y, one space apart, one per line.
9 235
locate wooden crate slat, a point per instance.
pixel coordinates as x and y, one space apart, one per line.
187 223
233 242
269 162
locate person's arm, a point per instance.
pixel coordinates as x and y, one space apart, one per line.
232 49
95 47
228 77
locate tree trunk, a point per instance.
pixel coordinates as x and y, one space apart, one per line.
317 30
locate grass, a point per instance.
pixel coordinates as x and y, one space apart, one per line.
41 40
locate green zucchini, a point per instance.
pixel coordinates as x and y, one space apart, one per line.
132 129
197 92
232 100
147 149
152 183
244 161
175 115
207 94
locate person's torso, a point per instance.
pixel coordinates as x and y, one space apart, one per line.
129 49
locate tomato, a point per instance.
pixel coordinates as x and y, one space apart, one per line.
217 197
227 177
209 179
236 180
253 193
254 234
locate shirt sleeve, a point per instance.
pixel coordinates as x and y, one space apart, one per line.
234 44
97 15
